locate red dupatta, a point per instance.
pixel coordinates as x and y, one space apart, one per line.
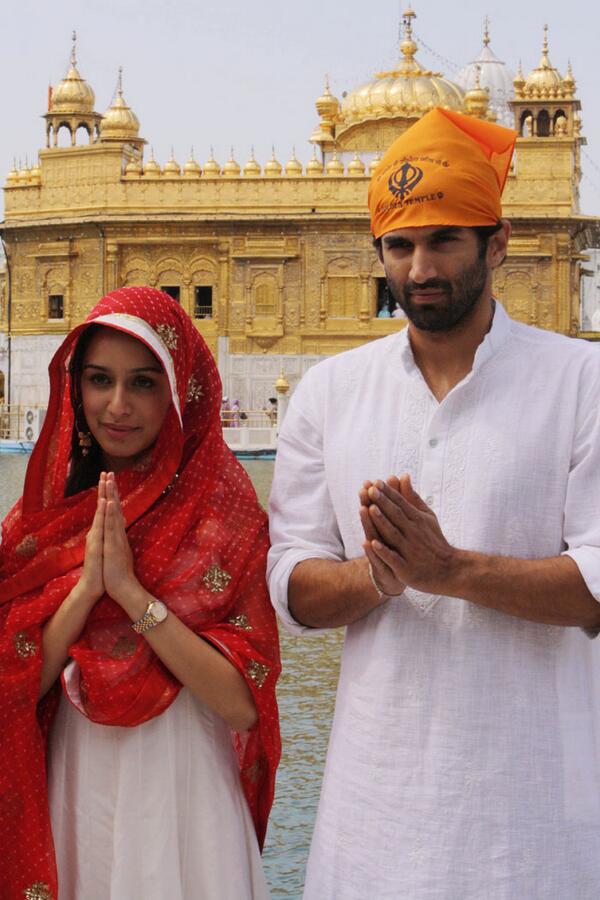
199 540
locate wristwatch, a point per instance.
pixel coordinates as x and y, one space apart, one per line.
156 612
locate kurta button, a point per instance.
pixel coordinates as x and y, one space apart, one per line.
429 500
433 442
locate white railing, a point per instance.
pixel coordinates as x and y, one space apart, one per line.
250 429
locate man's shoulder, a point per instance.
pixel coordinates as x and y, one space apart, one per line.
556 348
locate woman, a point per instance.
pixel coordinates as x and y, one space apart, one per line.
133 566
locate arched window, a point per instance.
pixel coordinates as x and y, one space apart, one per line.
83 135
526 123
543 123
63 135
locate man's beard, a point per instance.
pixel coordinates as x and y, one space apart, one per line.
444 314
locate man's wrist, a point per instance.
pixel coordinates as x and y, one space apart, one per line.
381 595
462 573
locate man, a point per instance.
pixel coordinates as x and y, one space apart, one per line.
464 760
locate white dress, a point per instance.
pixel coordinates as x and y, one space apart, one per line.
464 760
154 812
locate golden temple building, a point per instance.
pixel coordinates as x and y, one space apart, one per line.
275 262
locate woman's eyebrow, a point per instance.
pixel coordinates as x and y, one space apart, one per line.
155 368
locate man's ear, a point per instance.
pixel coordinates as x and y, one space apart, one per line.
498 245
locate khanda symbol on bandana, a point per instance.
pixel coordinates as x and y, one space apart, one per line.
404 180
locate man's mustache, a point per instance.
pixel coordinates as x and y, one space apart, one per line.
437 284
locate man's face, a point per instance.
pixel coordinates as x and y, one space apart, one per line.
437 274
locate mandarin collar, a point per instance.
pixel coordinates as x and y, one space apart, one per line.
491 343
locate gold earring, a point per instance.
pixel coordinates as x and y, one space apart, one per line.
85 442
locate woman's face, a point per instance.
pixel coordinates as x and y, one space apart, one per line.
125 396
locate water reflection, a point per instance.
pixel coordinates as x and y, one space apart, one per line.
306 694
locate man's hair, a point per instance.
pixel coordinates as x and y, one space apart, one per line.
483 233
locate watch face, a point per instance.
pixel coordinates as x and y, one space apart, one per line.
158 610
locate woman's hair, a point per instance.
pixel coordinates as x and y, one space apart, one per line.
84 471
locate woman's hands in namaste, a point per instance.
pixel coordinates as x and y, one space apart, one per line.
108 563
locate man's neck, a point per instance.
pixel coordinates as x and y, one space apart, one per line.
445 358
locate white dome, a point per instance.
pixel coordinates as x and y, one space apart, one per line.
496 77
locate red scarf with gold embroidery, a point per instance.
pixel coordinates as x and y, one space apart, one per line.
199 541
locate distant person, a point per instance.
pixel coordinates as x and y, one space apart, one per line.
437 491
226 412
271 411
398 312
135 621
235 414
384 312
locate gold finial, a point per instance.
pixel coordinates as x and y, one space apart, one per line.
120 82
545 45
486 31
407 15
282 385
407 45
74 49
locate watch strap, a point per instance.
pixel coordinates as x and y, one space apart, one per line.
147 621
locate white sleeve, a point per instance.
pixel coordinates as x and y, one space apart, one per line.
582 502
303 523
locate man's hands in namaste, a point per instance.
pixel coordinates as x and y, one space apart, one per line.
108 563
404 542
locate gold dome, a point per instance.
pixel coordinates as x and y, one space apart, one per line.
273 168
13 176
569 82
519 80
335 166
212 169
133 169
327 105
374 163
192 168
152 168
477 99
408 91
24 175
545 80
73 95
231 168
119 122
172 168
356 166
314 166
293 167
252 168
36 173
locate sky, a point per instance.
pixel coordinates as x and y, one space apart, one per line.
246 74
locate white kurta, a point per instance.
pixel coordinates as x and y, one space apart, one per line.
154 812
464 759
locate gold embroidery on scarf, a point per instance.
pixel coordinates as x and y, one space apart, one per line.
38 891
28 546
257 672
194 391
124 647
168 336
216 579
24 647
240 621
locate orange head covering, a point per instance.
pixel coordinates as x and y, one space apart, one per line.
447 169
